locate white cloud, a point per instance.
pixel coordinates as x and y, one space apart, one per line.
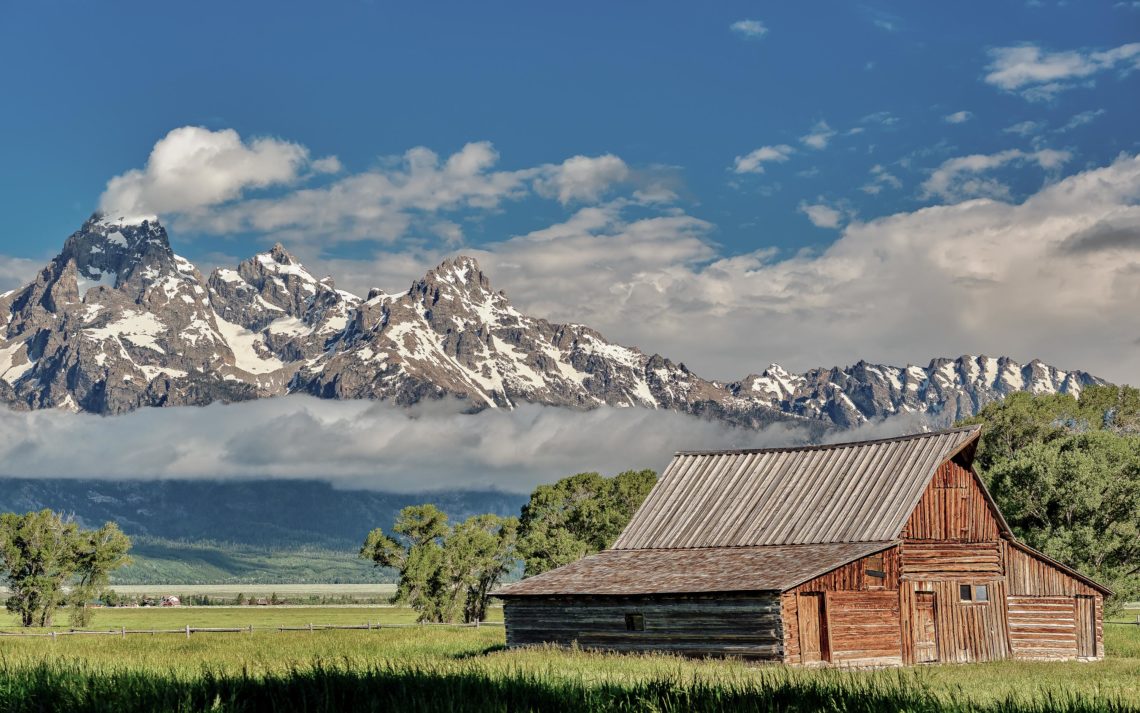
821 216
581 178
958 117
192 167
199 179
880 178
819 136
361 444
16 272
753 162
1038 74
979 276
961 178
1025 128
329 164
1078 120
751 29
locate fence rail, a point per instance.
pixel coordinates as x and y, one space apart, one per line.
187 631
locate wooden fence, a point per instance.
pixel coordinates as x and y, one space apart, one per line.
189 630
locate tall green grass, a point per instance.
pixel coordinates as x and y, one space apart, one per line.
422 669
426 688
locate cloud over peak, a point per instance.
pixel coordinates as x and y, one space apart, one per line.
192 167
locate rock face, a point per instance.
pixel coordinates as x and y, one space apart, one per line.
117 321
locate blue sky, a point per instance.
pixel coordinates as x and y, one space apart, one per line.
741 161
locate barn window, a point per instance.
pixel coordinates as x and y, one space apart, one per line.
979 593
635 622
876 573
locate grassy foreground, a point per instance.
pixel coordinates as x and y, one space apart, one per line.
409 669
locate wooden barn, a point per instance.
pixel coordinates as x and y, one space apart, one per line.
882 552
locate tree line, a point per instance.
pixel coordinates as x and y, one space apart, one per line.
447 572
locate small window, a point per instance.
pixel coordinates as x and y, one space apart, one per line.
635 622
874 567
974 593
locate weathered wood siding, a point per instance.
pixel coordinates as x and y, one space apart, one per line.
966 631
747 626
864 628
951 560
1043 627
852 576
952 507
1029 574
862 613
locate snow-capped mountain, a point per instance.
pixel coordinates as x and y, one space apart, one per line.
117 321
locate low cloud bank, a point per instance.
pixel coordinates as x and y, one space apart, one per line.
377 446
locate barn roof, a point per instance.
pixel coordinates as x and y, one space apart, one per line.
693 571
841 493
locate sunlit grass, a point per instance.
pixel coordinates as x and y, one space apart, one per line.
420 668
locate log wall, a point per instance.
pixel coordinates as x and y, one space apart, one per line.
967 561
864 628
745 626
966 631
1043 628
953 507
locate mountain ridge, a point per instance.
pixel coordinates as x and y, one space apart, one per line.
117 321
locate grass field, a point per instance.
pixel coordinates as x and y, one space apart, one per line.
440 668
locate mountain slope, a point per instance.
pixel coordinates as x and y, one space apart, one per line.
117 321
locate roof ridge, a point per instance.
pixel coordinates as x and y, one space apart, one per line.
829 446
835 543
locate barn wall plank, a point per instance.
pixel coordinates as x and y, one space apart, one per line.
1030 575
747 626
952 507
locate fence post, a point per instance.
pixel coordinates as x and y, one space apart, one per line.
53 636
123 632
187 631
310 627
251 629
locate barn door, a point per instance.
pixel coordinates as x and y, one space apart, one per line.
813 628
925 628
1086 627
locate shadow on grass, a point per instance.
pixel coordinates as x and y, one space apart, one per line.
480 653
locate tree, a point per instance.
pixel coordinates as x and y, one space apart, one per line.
578 515
476 555
1077 499
445 573
42 554
1065 472
417 556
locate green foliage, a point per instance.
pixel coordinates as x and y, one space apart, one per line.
42 554
577 516
445 573
1066 474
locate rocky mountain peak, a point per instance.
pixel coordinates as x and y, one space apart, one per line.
162 336
106 250
462 272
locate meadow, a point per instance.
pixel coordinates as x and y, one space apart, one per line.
409 667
